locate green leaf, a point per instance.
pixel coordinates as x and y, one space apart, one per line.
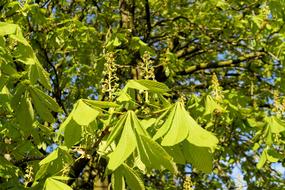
176 152
117 130
147 123
124 97
83 114
275 125
199 136
72 133
25 114
147 85
179 126
262 160
41 108
199 157
3 81
117 180
116 42
37 73
132 178
62 178
125 146
46 100
6 28
54 184
167 124
52 156
7 169
100 104
211 105
153 155
20 91
136 124
273 155
33 74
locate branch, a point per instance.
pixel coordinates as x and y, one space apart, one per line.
27 159
148 22
170 20
227 63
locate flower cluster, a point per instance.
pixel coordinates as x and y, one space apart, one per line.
146 67
187 184
278 106
217 91
109 82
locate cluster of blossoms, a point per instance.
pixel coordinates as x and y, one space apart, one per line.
217 91
109 82
146 67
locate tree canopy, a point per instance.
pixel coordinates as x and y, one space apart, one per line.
142 94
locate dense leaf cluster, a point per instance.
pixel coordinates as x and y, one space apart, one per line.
142 94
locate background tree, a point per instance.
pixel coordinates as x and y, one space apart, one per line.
148 94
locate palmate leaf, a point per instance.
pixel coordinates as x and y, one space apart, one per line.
150 152
198 144
179 125
147 85
26 54
135 137
81 116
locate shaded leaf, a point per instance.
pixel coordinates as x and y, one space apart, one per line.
153 155
72 133
199 157
25 114
117 180
132 178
